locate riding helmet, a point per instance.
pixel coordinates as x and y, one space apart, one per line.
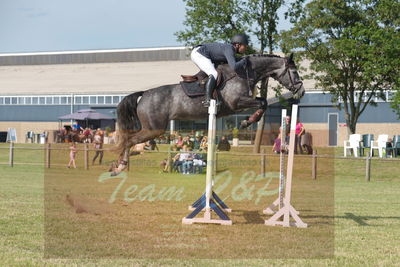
240 39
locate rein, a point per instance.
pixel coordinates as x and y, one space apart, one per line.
293 84
248 80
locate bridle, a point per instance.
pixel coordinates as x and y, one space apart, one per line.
295 86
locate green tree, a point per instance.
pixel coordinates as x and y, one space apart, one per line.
219 20
354 49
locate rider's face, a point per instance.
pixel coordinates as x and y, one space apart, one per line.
242 48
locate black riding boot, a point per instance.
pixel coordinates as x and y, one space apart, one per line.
209 88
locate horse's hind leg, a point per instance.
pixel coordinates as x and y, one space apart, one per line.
136 138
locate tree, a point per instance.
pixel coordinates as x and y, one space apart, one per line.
209 21
219 20
396 103
354 49
266 15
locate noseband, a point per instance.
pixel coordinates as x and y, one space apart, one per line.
295 86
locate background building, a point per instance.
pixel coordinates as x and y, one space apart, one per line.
37 88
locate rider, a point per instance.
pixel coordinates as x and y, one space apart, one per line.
206 56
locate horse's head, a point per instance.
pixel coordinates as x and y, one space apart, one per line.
283 70
288 76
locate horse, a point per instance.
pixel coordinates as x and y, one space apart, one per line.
144 115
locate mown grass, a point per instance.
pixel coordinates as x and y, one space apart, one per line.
357 220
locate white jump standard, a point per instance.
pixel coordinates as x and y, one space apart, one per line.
286 211
209 201
278 203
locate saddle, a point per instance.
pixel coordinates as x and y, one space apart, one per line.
194 85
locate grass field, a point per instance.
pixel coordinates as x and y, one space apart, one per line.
133 220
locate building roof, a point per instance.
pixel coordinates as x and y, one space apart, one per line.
141 69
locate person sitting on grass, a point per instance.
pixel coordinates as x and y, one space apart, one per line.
151 145
137 149
223 144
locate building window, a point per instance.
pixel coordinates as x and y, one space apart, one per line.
14 100
20 101
28 100
56 100
64 100
390 96
49 100
42 100
108 99
85 100
78 100
93 100
1 101
115 99
100 100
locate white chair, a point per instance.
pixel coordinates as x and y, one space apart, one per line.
353 143
379 144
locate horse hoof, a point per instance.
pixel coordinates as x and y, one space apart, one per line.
114 173
244 124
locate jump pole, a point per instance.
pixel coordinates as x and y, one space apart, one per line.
278 203
209 201
287 212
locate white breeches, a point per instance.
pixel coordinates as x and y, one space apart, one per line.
205 64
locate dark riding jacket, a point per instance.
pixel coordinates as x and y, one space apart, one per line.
221 53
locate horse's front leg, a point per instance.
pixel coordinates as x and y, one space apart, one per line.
122 163
248 102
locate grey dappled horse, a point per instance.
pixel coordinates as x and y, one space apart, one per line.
145 115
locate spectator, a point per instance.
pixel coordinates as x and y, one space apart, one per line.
163 165
151 145
188 142
98 146
87 135
137 149
76 127
204 144
72 155
223 144
299 132
179 143
198 163
196 143
187 165
277 147
306 142
180 158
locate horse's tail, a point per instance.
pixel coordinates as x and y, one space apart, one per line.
127 119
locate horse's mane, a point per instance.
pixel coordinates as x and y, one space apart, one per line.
254 58
262 60
264 55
